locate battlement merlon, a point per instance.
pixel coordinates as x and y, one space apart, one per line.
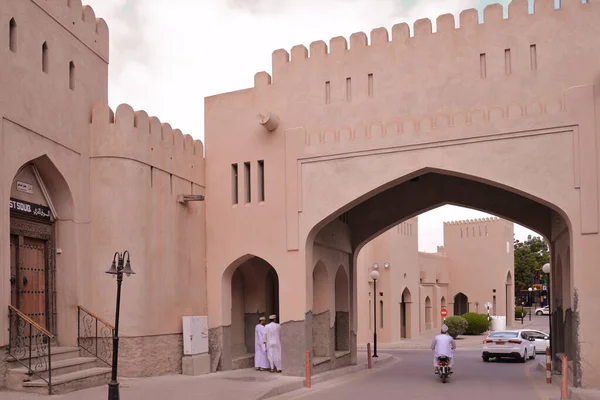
81 21
136 136
476 221
493 18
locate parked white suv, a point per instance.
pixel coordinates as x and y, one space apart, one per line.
509 344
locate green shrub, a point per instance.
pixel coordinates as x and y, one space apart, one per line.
456 325
476 323
519 310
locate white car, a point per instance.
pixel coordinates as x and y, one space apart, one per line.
542 339
509 344
542 311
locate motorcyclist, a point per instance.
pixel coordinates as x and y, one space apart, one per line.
442 345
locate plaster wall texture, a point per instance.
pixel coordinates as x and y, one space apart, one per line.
338 145
114 182
476 104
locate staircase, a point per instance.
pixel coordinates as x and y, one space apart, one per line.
37 365
70 371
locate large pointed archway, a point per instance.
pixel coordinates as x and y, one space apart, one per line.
384 207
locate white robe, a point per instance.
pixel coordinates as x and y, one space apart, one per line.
442 345
260 352
273 345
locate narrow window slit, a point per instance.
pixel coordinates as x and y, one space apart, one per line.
12 35
327 92
348 89
72 75
370 85
248 192
507 62
533 56
45 57
261 180
482 65
234 183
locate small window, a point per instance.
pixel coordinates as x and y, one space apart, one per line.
327 92
261 180
247 183
370 85
45 57
12 35
72 75
381 314
234 183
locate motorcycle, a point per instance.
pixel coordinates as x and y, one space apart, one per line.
444 368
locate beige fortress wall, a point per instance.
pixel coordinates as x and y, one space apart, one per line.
434 279
140 167
43 119
399 247
434 276
481 260
114 185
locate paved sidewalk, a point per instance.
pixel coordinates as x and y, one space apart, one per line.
423 341
246 384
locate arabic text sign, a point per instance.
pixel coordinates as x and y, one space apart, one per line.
27 208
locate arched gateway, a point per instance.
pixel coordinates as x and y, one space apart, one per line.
344 141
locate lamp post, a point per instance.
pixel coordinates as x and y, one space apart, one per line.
530 289
375 276
117 269
546 268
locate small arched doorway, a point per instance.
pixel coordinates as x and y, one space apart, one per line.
405 314
321 312
509 298
254 294
461 304
428 310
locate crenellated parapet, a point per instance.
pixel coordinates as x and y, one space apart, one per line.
422 34
81 21
473 221
134 135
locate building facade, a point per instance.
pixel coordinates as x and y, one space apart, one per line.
340 143
475 266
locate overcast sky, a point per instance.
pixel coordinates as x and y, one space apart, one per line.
167 55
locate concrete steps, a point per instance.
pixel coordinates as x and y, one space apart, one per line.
70 372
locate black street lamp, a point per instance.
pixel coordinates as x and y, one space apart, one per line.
546 268
375 276
530 289
117 269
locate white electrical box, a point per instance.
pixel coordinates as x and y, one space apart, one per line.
195 335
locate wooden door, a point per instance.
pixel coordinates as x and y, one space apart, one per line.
30 280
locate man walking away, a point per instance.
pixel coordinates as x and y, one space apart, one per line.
273 344
260 351
443 345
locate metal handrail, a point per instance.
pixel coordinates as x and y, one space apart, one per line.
95 340
32 322
17 346
96 317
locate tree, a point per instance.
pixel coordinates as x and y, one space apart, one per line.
529 257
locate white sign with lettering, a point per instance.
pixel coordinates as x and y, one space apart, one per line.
24 187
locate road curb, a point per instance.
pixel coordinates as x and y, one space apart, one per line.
324 377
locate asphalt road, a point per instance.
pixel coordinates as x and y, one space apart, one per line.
412 378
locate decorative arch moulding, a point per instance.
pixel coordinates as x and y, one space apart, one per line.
133 134
442 120
446 24
81 21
